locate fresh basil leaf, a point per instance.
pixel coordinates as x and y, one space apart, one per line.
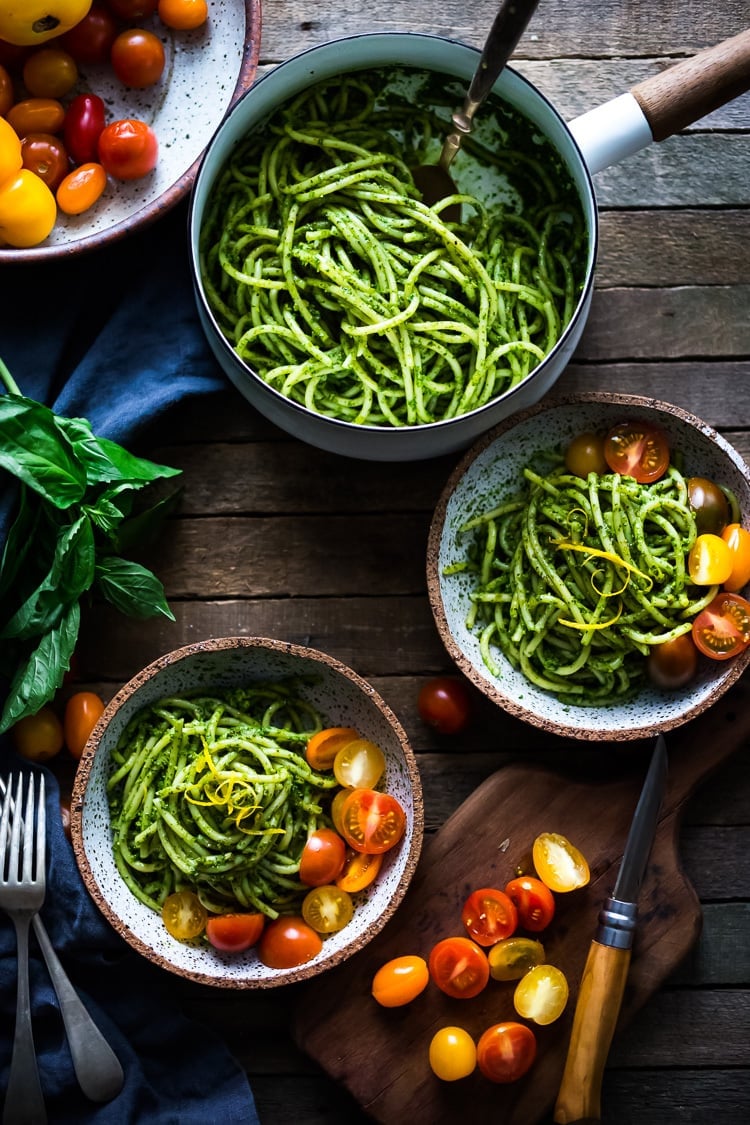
71 574
143 527
19 542
131 588
33 449
38 678
110 507
105 460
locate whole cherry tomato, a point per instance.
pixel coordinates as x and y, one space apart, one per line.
38 737
287 942
84 122
399 981
322 858
585 455
137 58
131 11
534 902
459 967
709 505
82 712
45 155
233 933
489 916
737 540
90 41
7 93
674 663
128 149
445 704
638 450
50 73
81 188
183 15
372 821
452 1054
506 1051
36 115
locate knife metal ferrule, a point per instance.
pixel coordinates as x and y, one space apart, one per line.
617 922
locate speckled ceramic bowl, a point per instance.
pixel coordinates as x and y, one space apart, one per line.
491 470
344 699
205 73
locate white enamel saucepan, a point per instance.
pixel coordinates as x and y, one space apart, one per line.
653 110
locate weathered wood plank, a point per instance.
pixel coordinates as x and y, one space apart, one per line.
667 174
722 954
673 1028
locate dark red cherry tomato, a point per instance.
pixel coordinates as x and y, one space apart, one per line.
674 663
45 155
91 39
84 123
132 11
709 505
445 704
128 149
638 450
534 902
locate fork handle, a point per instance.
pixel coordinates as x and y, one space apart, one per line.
24 1101
97 1067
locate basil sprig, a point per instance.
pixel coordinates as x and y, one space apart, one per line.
74 519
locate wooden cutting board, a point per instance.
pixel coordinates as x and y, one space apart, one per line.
380 1054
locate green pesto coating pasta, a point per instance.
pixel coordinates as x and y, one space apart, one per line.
576 580
212 793
335 283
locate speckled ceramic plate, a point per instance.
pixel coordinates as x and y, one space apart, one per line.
493 470
344 699
206 71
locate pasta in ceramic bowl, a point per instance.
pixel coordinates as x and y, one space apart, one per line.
247 812
588 563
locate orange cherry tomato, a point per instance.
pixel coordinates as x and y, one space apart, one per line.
46 156
709 560
38 737
512 958
459 967
533 901
559 864
327 909
233 933
585 455
489 916
82 712
287 942
322 748
541 994
359 870
184 915
183 15
36 115
137 58
359 765
638 450
81 188
737 540
372 821
506 1051
722 629
674 663
322 858
50 72
400 981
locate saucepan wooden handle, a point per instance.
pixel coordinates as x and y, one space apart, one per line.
597 1009
689 90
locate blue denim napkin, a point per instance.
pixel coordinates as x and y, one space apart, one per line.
111 336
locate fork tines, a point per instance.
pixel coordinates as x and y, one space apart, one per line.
22 864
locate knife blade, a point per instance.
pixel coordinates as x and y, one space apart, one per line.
608 961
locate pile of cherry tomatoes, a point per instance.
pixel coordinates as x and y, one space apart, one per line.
492 949
66 140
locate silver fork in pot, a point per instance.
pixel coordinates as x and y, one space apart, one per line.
97 1067
21 894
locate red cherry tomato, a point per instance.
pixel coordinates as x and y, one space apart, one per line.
722 629
91 39
128 149
38 737
737 540
137 58
459 967
445 704
359 871
84 122
45 155
534 902
585 455
233 933
287 942
82 712
489 916
322 858
183 15
399 981
638 450
371 821
131 11
506 1051
674 663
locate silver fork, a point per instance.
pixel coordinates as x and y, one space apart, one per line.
97 1067
21 894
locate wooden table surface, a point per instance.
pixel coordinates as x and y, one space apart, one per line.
278 539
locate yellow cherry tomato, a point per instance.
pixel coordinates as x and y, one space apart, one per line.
38 737
541 995
327 909
400 981
559 863
184 915
27 210
26 23
453 1054
359 765
710 560
11 157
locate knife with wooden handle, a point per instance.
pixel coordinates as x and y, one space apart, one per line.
605 973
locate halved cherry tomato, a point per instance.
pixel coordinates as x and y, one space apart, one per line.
709 560
82 712
183 15
372 821
359 765
452 1054
137 58
323 747
338 800
327 909
674 663
558 863
489 916
722 629
506 1051
359 870
50 72
322 857
512 958
541 995
459 967
709 505
184 915
288 941
737 540
585 455
91 39
45 155
36 115
638 450
84 123
81 188
534 902
399 981
128 149
445 704
38 737
233 933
